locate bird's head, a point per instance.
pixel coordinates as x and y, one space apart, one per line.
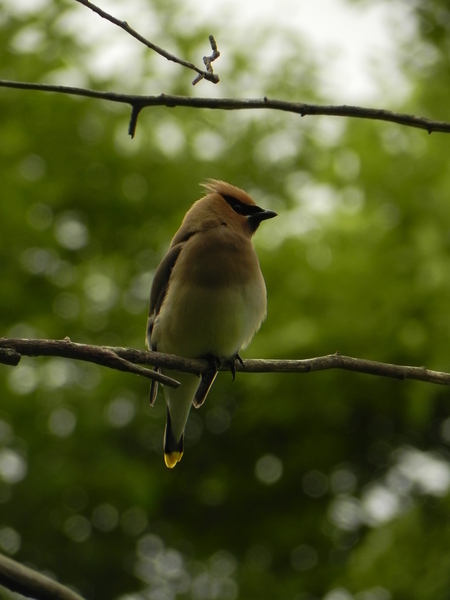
234 205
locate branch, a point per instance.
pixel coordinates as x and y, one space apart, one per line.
300 108
208 74
12 349
9 357
32 584
307 365
208 60
68 349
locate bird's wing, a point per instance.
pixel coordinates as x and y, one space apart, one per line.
157 294
159 287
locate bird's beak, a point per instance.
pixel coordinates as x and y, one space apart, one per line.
266 214
262 215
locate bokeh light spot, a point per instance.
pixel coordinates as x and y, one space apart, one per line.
105 517
269 469
303 558
9 540
13 467
315 484
120 411
77 528
62 422
70 232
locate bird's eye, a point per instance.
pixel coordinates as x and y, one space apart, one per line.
239 207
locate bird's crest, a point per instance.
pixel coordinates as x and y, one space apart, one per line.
226 189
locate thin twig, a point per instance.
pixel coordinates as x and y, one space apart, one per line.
67 349
31 583
135 110
100 355
300 108
208 60
209 75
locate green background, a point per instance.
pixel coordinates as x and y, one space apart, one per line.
328 485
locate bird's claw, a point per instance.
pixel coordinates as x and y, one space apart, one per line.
231 363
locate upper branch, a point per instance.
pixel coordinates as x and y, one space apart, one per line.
208 74
300 108
97 354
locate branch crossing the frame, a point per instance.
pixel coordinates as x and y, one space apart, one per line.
129 359
138 102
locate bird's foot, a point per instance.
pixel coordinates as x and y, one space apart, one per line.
231 363
214 361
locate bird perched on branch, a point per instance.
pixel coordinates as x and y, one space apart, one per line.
208 298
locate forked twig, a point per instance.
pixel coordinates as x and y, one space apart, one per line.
209 75
11 351
208 60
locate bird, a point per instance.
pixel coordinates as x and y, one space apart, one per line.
208 298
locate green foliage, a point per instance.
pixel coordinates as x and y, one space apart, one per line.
279 491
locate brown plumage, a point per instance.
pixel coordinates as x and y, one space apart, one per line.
208 296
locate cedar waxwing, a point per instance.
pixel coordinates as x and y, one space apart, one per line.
208 298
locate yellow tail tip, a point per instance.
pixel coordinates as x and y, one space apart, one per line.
172 459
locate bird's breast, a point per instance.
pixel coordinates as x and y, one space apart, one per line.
215 302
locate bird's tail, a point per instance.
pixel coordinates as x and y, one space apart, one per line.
179 402
173 450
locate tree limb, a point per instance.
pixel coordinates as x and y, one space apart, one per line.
101 355
31 583
209 75
139 102
97 354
